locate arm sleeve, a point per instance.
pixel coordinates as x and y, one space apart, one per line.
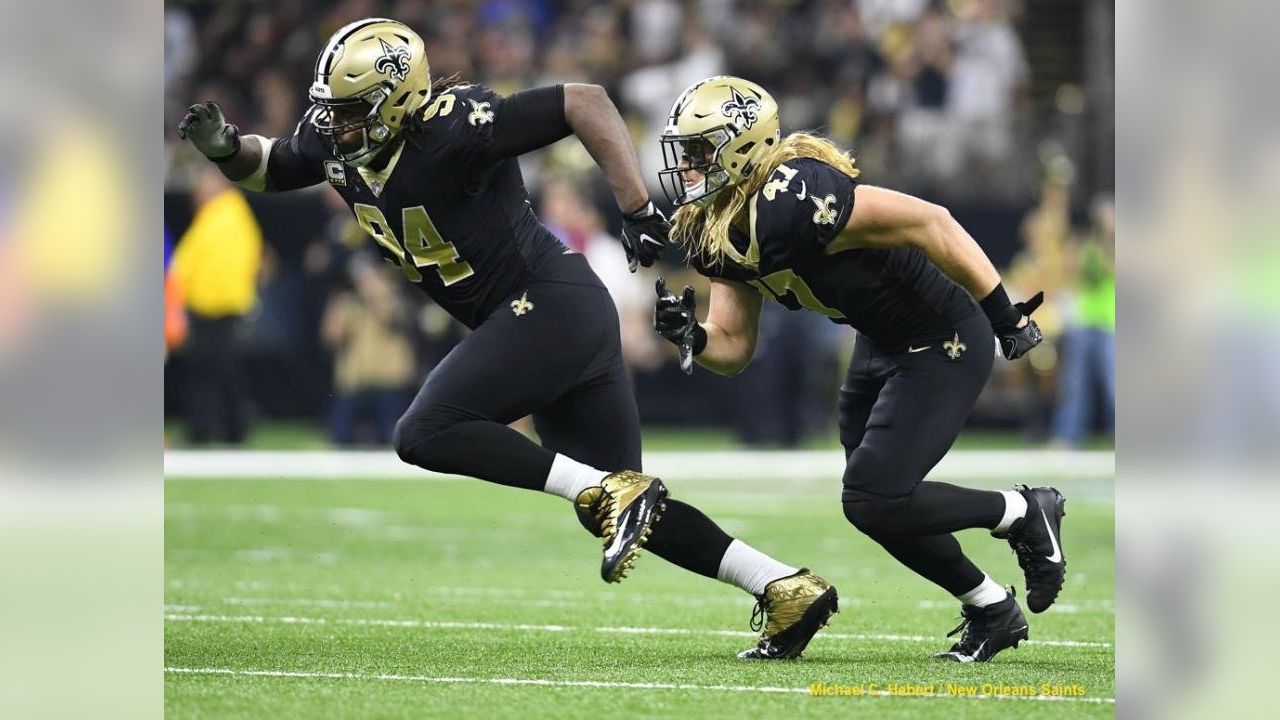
528 120
296 161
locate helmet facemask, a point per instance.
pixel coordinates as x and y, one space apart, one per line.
351 128
698 153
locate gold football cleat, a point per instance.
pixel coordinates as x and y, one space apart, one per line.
791 611
622 510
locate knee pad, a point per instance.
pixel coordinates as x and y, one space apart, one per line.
869 512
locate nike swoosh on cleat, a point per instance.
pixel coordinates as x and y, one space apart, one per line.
976 653
1057 551
617 540
916 349
616 545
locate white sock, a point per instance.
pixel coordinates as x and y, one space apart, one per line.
1015 508
989 592
568 478
746 567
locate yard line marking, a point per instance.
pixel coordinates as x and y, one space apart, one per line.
456 625
586 683
775 465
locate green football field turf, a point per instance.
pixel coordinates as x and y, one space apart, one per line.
454 598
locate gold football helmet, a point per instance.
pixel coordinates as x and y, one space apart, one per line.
371 76
718 127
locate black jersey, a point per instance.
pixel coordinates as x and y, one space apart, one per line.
892 297
453 214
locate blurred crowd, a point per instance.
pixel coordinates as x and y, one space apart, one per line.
935 98
930 93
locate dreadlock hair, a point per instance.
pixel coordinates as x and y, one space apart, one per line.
415 123
444 83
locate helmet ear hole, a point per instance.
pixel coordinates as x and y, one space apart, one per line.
400 100
768 141
746 148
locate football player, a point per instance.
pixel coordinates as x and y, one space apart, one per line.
786 218
430 172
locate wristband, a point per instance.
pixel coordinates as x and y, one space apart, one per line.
999 310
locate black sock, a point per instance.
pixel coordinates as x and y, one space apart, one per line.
684 536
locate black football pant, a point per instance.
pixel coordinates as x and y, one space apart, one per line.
899 414
551 350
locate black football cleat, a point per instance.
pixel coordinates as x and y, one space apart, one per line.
791 611
987 631
622 509
1036 539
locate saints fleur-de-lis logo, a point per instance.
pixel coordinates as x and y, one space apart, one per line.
742 110
954 347
394 62
826 214
480 113
522 305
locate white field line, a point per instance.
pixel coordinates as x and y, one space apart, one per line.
779 465
582 599
448 625
583 683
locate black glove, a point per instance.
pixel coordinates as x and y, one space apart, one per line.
205 127
1014 341
644 234
674 319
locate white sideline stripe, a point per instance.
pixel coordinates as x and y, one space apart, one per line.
1002 465
448 625
581 683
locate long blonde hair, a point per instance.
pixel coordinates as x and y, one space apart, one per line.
705 230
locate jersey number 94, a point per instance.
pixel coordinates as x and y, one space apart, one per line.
423 246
